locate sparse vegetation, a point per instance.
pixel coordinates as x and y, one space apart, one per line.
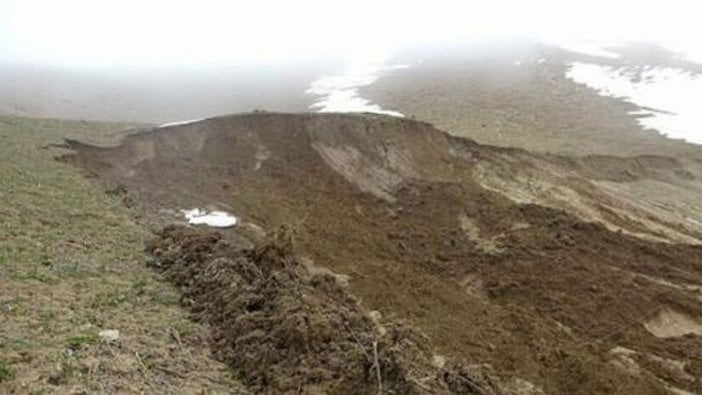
7 372
72 264
483 96
80 341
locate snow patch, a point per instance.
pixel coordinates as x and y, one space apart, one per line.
217 219
669 97
177 123
339 93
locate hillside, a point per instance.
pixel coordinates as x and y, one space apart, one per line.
72 266
550 272
518 94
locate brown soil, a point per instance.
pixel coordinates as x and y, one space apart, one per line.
292 328
530 263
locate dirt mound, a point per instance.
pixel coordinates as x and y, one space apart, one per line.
289 329
534 264
377 154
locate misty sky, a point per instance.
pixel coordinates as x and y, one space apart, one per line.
108 33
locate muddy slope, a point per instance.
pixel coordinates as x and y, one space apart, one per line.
540 266
289 327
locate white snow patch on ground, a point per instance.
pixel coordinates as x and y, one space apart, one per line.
217 219
671 96
180 123
339 93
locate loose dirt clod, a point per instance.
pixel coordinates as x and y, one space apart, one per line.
286 329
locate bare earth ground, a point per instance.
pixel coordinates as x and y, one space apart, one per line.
71 264
289 326
524 263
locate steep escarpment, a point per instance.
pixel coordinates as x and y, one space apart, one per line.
543 267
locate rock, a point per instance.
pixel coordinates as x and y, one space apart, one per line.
438 361
109 335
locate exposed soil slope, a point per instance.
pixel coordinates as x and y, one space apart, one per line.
290 327
534 264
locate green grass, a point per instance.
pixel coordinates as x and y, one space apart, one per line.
51 214
13 307
7 372
72 264
82 340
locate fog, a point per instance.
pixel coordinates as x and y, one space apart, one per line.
161 61
137 33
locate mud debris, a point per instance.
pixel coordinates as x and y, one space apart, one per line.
289 330
547 275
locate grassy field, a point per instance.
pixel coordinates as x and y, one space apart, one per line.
71 265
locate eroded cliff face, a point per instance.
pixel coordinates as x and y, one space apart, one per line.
541 266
